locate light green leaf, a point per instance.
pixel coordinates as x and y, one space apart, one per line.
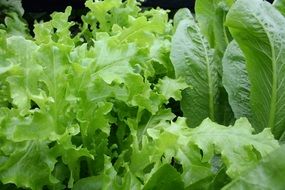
58 30
111 17
40 126
238 148
236 144
99 10
24 169
15 25
62 25
211 15
112 60
142 30
182 14
23 83
194 61
267 174
71 156
235 81
280 5
108 180
212 139
43 32
259 30
171 88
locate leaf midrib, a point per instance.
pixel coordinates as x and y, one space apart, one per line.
209 77
272 111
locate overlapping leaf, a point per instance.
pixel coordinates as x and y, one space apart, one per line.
193 59
236 82
258 28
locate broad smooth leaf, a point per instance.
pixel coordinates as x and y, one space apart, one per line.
235 81
259 30
166 177
193 60
267 174
94 182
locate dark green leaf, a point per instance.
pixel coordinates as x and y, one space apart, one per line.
166 178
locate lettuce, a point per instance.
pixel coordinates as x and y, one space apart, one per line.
99 108
263 51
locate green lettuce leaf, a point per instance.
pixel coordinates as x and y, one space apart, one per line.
193 60
211 15
166 177
78 99
180 15
236 82
280 5
92 109
12 6
258 28
29 166
267 174
208 138
182 144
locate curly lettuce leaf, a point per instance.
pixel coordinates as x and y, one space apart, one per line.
183 144
74 97
267 173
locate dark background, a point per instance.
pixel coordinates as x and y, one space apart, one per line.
41 9
59 5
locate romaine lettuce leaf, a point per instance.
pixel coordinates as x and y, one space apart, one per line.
236 82
258 29
194 60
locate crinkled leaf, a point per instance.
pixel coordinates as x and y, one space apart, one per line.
115 67
24 83
30 167
14 25
237 145
236 82
12 6
40 126
193 60
267 174
184 144
171 88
